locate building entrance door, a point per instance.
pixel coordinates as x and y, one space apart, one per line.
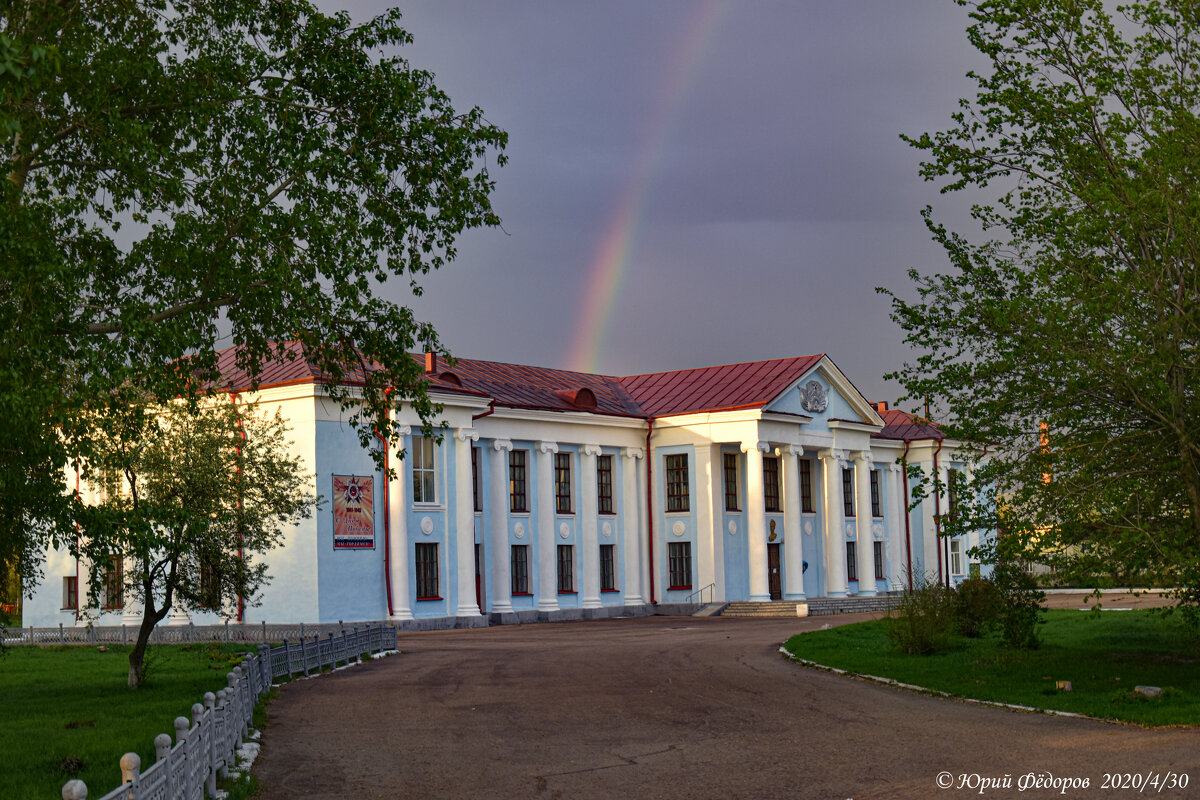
773 571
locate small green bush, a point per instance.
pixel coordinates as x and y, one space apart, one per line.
923 621
976 606
1020 607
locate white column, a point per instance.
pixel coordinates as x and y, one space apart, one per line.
756 520
793 544
464 522
708 526
546 549
835 524
589 555
398 522
501 575
897 509
865 522
631 506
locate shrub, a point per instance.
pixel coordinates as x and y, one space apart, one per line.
923 621
1020 606
976 606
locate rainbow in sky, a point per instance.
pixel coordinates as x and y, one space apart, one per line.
612 258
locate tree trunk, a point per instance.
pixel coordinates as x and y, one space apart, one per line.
137 657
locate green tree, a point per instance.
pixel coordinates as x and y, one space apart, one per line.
1064 334
181 169
192 494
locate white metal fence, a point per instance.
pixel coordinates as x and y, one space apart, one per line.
206 747
236 632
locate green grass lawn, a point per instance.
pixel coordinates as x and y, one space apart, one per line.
66 712
1104 656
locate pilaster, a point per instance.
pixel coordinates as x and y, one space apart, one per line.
501 581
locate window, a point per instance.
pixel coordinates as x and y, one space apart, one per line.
876 505
608 568
730 462
956 556
70 593
518 499
476 495
210 582
427 571
806 501
851 561
562 483
604 497
953 478
679 557
677 483
114 584
848 490
771 483
878 561
520 569
566 569
424 470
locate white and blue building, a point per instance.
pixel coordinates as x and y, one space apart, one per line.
553 494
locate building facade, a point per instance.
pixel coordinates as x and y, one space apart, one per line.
552 494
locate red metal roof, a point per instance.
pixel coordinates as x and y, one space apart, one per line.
747 385
902 425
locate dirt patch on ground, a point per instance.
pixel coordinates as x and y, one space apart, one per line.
664 707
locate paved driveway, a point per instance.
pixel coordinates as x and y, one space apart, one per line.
664 707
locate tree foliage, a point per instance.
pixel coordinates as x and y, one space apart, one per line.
192 494
1064 335
181 169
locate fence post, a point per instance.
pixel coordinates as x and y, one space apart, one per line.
185 752
131 767
332 653
124 634
226 631
62 637
210 708
31 642
162 752
303 651
302 631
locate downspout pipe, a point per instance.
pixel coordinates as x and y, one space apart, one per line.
650 509
937 514
907 526
77 497
491 409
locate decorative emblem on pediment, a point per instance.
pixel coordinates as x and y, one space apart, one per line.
814 398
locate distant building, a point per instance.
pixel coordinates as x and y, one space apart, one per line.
557 494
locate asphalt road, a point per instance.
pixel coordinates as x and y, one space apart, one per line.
668 707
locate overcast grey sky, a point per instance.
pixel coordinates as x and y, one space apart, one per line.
693 182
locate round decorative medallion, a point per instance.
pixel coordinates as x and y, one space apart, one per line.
877 529
606 529
678 528
808 526
564 531
733 527
850 534
519 530
426 525
813 397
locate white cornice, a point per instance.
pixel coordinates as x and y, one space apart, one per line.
570 417
862 427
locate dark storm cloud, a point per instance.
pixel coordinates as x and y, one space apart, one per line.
779 197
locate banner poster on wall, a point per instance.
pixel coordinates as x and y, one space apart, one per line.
353 512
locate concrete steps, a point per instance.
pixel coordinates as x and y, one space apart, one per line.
785 608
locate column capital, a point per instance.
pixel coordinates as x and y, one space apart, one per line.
832 454
762 447
793 450
895 467
590 449
865 457
502 444
402 430
465 434
633 452
547 447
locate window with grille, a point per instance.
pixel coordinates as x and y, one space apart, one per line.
518 497
608 567
424 470
730 469
70 593
427 571
876 504
771 482
476 494
520 569
677 483
566 569
114 584
851 561
956 556
562 483
848 491
953 479
806 489
679 558
604 492
879 573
